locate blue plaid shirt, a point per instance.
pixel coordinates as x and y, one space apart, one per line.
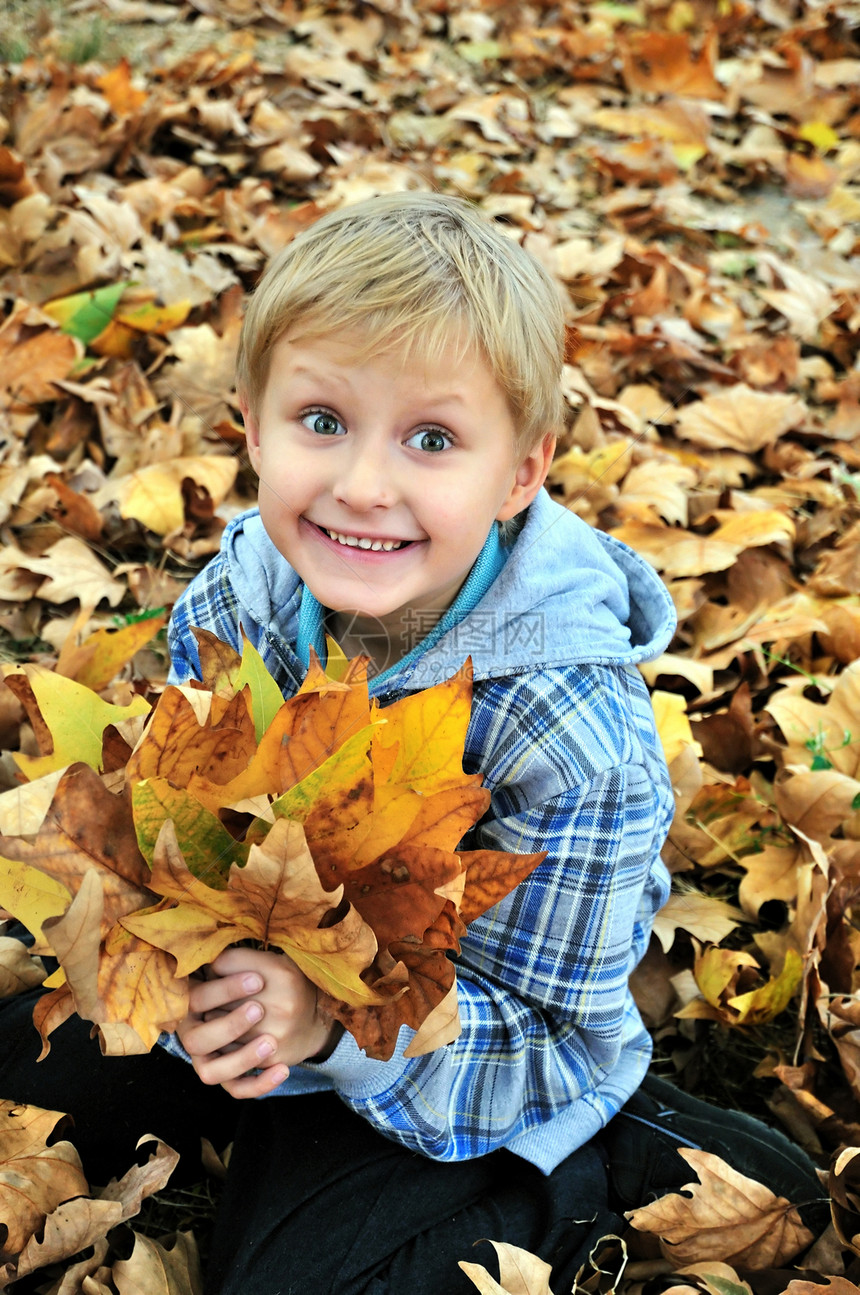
562 731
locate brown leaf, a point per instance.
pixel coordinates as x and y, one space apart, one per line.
49 1014
821 729
771 874
844 1184
666 63
33 358
816 803
75 511
68 849
82 1222
194 734
832 1286
68 1230
740 418
651 985
121 981
420 979
34 1177
169 1266
704 916
399 895
70 570
276 898
142 1181
726 1216
490 875
125 987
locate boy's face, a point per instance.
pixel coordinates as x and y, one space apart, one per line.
415 460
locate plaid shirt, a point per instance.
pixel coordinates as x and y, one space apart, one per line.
551 1043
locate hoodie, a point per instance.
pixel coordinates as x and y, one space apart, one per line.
563 733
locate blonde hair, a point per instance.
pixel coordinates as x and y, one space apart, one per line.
416 270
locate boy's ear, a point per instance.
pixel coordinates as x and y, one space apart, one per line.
252 433
530 476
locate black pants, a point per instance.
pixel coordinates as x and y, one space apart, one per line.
316 1200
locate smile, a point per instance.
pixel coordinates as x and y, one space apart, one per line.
354 542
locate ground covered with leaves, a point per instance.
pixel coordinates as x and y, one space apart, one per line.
690 172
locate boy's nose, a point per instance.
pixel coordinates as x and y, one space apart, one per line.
363 482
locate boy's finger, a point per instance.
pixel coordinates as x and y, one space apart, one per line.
223 991
258 1083
219 1031
228 1066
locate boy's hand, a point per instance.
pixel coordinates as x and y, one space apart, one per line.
257 1012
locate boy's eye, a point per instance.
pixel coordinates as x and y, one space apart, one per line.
431 440
323 424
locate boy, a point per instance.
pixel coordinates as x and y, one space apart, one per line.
399 377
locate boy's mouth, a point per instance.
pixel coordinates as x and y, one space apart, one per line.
364 542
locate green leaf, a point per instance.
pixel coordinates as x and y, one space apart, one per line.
619 13
725 1286
266 696
480 51
86 314
206 845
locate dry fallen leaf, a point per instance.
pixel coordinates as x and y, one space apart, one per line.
168 1266
520 1273
844 1180
108 977
727 981
34 1178
726 1216
740 419
71 1227
275 898
833 1286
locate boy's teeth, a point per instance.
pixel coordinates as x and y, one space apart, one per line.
353 542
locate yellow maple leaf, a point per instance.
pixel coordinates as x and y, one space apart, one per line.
723 977
673 726
153 494
98 660
31 896
70 719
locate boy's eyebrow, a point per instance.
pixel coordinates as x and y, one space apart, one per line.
307 371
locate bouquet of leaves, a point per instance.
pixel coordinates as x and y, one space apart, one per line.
152 837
